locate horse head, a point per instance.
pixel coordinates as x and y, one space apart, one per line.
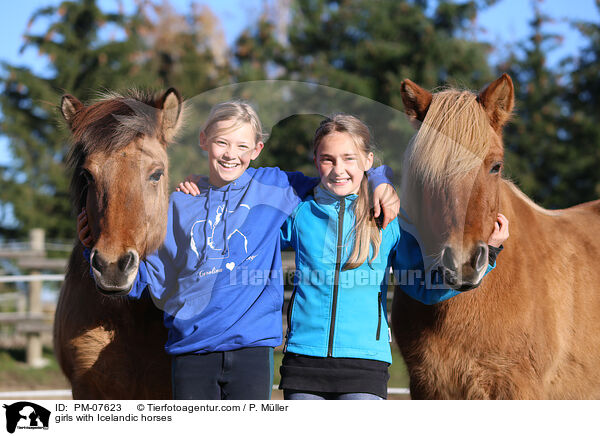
452 174
119 158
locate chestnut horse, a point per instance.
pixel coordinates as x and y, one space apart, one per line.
531 330
112 347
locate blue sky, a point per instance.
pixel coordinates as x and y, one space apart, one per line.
505 23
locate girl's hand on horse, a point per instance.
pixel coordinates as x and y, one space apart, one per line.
83 231
190 185
387 201
500 233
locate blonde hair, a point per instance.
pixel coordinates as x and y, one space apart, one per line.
237 110
366 232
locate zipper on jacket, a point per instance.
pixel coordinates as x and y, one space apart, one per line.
379 316
289 318
337 274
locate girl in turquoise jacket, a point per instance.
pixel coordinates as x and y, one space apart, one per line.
337 343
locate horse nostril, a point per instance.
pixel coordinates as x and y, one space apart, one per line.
127 262
448 260
97 262
479 260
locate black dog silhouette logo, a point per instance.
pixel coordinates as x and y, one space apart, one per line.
26 415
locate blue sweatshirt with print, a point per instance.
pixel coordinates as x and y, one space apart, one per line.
218 275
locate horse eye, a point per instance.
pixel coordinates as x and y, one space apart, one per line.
155 177
496 168
88 177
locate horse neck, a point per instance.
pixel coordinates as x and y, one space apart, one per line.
530 228
523 214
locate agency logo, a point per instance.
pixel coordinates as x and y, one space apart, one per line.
26 415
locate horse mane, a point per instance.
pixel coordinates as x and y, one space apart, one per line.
532 204
454 138
109 124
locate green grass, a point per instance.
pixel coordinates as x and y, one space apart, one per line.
15 374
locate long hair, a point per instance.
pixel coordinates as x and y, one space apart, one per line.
366 233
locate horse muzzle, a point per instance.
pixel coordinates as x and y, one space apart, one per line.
464 273
114 278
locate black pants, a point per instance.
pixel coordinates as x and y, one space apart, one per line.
244 374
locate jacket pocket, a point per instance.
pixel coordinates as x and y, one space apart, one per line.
378 316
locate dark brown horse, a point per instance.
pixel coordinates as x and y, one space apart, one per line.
532 329
111 347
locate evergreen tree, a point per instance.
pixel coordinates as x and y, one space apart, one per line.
37 183
583 107
537 156
256 51
368 48
186 51
150 51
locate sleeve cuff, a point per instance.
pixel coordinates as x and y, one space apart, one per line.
493 253
86 255
379 175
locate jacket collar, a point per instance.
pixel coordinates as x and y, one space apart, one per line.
323 196
238 183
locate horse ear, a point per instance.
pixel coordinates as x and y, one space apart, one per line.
171 105
416 101
69 106
498 100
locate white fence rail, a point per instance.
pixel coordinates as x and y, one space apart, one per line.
25 246
29 318
32 278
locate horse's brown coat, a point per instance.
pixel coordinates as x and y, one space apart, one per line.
530 330
112 347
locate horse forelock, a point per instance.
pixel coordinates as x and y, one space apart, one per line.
115 120
454 138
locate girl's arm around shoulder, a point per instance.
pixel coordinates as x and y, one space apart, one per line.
386 203
303 185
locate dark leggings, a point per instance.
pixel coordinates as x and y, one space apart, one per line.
244 374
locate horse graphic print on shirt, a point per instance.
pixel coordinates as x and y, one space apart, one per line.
209 233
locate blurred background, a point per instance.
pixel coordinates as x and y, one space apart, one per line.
550 48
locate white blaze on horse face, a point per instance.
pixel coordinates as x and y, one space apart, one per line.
230 152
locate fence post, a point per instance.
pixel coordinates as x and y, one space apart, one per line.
34 339
37 240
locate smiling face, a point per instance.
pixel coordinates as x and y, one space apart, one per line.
340 164
231 148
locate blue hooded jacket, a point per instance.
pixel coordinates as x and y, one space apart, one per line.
218 275
335 313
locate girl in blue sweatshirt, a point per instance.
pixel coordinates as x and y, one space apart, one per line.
218 275
337 344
